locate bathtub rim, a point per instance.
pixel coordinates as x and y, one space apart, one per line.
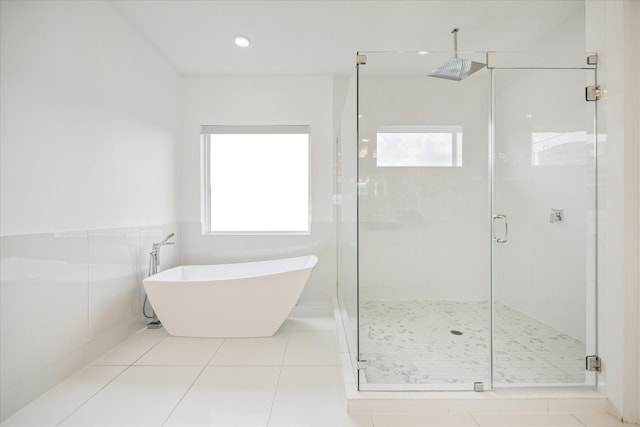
169 275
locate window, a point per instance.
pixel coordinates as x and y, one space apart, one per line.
436 146
255 180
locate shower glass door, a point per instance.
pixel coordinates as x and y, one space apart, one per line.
424 207
544 221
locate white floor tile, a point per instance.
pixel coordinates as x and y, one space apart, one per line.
181 351
311 348
312 396
599 420
228 396
346 420
59 402
311 320
583 404
526 420
291 379
130 350
252 351
140 396
396 405
411 420
307 308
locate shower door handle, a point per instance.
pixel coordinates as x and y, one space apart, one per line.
506 229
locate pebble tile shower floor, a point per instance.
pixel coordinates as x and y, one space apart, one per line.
440 342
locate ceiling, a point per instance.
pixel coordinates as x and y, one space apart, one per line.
322 37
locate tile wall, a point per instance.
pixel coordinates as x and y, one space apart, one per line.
67 297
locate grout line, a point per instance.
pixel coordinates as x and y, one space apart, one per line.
204 367
577 419
371 422
149 349
94 394
282 365
475 420
127 367
184 395
225 340
286 348
275 394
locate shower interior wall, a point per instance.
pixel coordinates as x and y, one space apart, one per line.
402 262
547 269
404 211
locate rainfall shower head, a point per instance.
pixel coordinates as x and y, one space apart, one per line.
456 68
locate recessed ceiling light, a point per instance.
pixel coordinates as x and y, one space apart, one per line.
241 41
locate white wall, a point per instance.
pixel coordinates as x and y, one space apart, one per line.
632 130
612 32
281 100
88 127
89 115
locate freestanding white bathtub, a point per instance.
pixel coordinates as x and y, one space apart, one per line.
250 299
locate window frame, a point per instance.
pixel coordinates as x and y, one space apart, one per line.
205 175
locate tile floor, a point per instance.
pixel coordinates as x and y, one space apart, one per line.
410 342
291 379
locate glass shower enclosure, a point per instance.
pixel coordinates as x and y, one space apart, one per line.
468 221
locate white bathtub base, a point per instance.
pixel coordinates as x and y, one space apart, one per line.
207 301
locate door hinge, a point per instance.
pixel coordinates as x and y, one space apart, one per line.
593 363
361 59
362 364
592 60
592 93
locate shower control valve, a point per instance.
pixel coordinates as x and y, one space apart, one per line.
556 215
